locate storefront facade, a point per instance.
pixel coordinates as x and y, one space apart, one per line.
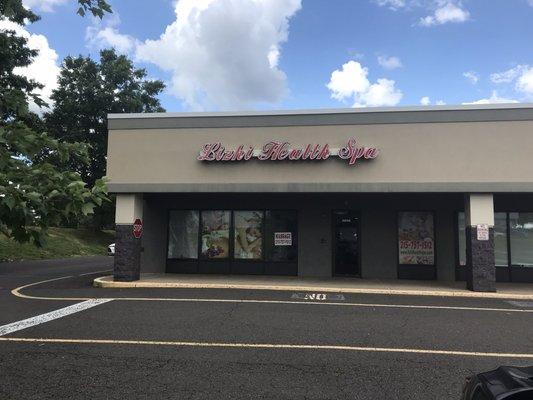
410 193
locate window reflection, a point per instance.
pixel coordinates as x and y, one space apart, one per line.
521 238
500 239
183 234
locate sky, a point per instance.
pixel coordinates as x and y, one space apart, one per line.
219 55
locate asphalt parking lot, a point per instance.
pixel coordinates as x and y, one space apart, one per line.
233 344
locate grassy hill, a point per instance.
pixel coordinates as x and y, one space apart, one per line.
61 242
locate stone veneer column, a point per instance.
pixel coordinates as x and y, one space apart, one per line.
480 262
127 265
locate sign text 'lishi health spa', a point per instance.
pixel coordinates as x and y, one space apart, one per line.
279 150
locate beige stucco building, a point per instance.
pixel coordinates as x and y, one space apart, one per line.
419 193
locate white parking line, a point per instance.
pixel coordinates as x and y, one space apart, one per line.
39 319
325 303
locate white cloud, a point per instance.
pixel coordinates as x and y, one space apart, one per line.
104 34
110 37
382 93
393 4
508 75
525 82
43 69
224 54
521 75
389 62
43 5
441 11
447 12
472 76
351 83
426 101
273 56
493 99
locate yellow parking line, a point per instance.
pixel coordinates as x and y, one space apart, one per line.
17 292
105 282
269 346
96 272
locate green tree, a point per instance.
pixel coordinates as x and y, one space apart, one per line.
87 91
36 190
97 7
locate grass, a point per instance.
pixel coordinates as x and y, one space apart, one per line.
60 243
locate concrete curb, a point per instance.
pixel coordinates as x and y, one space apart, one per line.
106 282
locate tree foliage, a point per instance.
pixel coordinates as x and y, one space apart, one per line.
36 187
97 7
36 191
87 91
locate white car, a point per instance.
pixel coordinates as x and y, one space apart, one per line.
111 249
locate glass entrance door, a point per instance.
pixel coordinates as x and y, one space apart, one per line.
346 243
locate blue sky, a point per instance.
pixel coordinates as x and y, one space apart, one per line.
290 54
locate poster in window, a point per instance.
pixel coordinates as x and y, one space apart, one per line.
282 238
416 237
248 235
215 234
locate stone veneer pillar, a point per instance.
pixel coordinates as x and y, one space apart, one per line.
480 262
127 266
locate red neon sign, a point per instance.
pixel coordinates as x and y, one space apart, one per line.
278 151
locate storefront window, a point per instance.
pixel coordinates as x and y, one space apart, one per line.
416 237
183 234
521 239
461 234
215 234
281 242
248 235
500 239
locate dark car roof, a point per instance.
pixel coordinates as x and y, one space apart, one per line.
504 381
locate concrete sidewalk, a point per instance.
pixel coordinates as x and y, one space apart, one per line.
517 291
